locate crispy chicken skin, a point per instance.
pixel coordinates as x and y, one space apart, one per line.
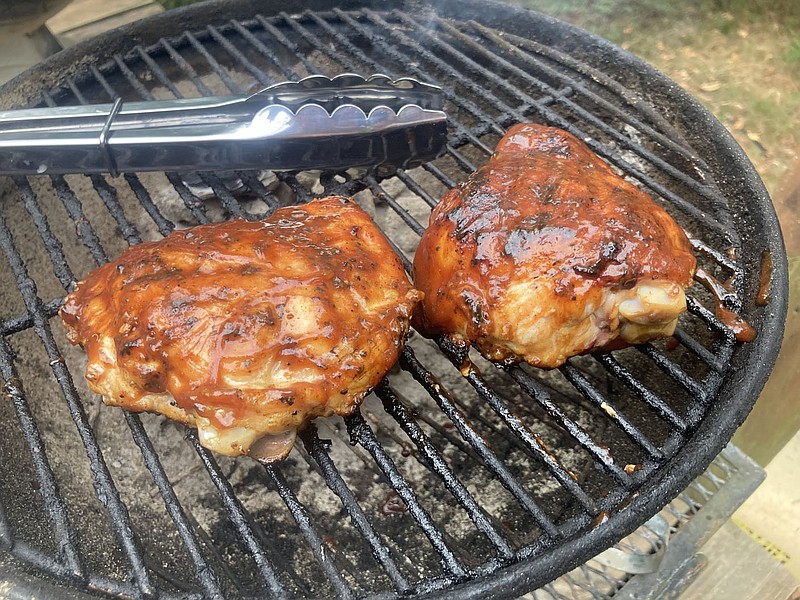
246 330
545 253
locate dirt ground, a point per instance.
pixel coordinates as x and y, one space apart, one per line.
741 59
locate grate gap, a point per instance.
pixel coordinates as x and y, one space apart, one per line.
106 491
360 432
442 398
428 451
241 520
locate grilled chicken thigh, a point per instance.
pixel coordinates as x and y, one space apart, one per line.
545 253
246 330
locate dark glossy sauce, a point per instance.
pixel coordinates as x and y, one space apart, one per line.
394 505
741 329
765 282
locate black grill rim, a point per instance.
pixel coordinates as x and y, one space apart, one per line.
752 363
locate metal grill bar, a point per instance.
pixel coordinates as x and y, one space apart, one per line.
255 186
6 535
19 323
221 192
393 406
108 195
447 434
698 350
191 202
381 194
462 162
263 50
55 250
719 257
66 537
240 58
212 62
185 67
537 392
94 583
348 64
652 400
315 544
203 571
316 448
107 493
279 36
416 188
531 441
674 371
98 76
86 232
440 175
360 432
165 227
582 384
620 91
443 400
694 307
131 78
241 520
197 207
74 89
157 71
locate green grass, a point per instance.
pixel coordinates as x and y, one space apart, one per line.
793 53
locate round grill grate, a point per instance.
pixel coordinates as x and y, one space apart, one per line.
497 479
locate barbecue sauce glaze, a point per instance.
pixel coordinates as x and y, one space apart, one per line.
247 328
545 252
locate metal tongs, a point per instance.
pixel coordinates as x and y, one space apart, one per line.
315 123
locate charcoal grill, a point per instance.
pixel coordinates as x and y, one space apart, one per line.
443 484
